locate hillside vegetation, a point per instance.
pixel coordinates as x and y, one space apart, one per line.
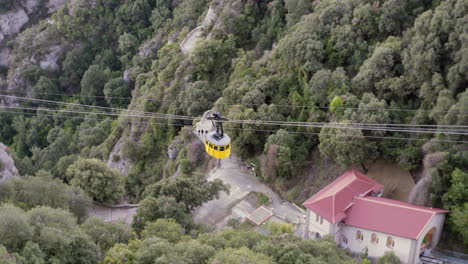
327 61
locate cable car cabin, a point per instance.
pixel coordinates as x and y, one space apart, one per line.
218 148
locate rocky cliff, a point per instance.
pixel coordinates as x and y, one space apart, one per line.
7 165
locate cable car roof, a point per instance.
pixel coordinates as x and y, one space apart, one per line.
222 142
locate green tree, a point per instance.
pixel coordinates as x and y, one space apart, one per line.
212 59
92 84
151 209
195 251
157 251
120 254
60 238
127 43
327 84
45 191
100 182
278 229
198 97
7 258
167 229
15 229
116 91
389 258
457 194
74 65
106 234
191 191
33 254
296 9
381 66
459 220
45 88
238 256
346 145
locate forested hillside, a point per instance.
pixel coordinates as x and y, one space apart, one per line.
104 83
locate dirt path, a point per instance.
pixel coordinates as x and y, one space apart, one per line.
397 181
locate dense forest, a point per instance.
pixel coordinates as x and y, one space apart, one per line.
105 82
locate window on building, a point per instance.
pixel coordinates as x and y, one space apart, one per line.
321 220
317 218
374 238
317 235
390 242
359 235
345 240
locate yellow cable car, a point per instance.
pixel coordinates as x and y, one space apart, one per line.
217 144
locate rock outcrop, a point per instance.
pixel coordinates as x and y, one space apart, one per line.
7 165
12 22
420 194
50 61
117 160
198 33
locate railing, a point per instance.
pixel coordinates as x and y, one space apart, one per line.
437 260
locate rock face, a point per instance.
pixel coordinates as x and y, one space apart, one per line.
117 160
50 61
197 34
420 194
7 165
12 22
54 5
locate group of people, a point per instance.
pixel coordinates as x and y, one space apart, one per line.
202 131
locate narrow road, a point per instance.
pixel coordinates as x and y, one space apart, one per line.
110 214
241 183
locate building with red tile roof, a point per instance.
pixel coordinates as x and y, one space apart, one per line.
351 210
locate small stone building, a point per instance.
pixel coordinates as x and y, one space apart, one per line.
351 210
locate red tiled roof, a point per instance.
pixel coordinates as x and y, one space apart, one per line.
332 200
390 216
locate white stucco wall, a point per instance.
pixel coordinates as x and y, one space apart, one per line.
315 227
438 222
402 246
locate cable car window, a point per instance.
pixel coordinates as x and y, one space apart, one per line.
221 148
211 146
216 148
227 147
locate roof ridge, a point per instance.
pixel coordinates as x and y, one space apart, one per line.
397 205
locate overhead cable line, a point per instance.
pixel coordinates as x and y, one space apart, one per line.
96 107
182 117
262 130
260 122
250 105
